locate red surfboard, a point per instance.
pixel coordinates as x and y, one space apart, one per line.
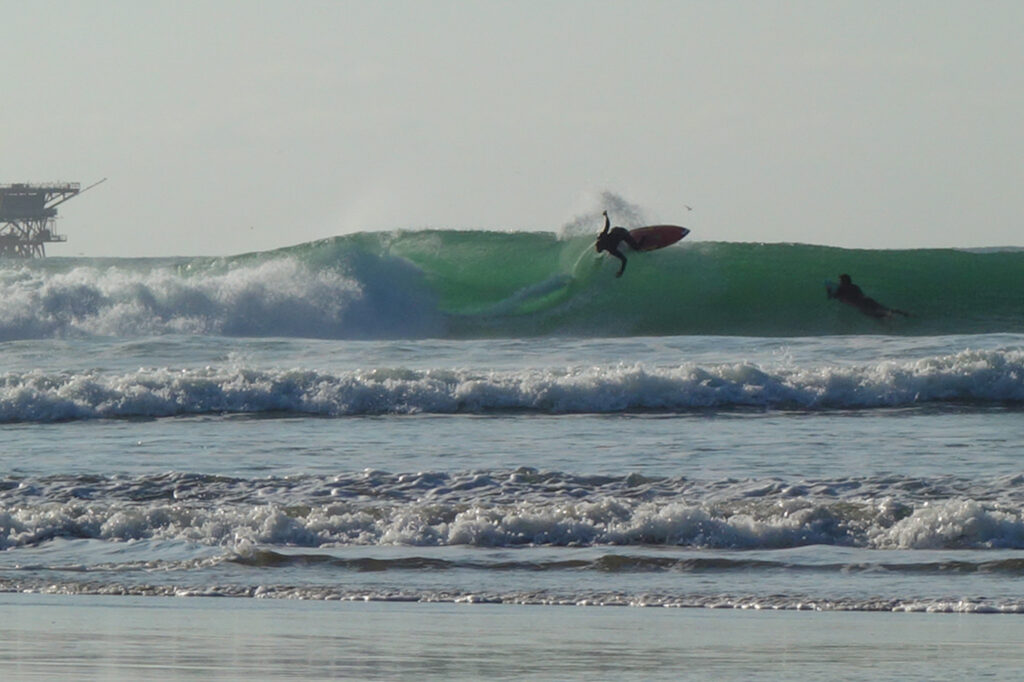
657 236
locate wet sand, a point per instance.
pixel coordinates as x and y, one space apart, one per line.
150 638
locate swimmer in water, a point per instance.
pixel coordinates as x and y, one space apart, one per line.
849 293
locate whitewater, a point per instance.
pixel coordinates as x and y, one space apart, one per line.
493 420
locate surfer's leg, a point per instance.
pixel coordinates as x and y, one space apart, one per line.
622 258
873 308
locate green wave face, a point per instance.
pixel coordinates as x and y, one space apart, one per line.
446 283
522 284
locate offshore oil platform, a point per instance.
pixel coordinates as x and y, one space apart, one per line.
28 216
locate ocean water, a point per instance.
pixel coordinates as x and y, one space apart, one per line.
491 418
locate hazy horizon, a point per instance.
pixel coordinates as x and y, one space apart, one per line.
233 127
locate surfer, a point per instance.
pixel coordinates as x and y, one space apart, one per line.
849 293
609 241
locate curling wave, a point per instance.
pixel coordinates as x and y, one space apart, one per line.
437 283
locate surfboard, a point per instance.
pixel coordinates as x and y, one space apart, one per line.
654 237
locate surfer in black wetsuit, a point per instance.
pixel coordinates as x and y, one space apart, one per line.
849 293
609 241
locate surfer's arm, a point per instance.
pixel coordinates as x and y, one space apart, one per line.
599 245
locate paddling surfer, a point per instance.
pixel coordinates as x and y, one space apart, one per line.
609 241
849 293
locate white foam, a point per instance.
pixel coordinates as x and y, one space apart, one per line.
272 296
956 524
967 377
737 524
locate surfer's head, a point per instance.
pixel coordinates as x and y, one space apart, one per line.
844 279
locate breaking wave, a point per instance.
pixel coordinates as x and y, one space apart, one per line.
261 522
473 284
990 377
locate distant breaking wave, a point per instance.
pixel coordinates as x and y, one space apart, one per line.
476 284
968 377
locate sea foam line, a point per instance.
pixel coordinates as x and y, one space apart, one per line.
591 598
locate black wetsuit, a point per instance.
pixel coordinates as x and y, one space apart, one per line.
609 241
851 294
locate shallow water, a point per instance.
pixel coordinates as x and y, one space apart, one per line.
136 638
844 473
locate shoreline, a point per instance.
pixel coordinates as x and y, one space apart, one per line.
722 602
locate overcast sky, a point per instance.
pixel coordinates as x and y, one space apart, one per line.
234 126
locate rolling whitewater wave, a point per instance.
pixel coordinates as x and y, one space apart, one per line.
514 508
478 284
501 535
968 378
